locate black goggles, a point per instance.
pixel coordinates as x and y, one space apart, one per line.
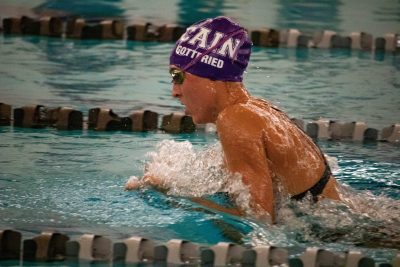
178 76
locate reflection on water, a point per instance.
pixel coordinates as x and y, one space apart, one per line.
306 83
85 9
309 16
375 17
193 11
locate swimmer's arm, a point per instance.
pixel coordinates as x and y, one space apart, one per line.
215 206
243 146
135 184
145 181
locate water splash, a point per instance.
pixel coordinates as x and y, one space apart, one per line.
191 173
333 163
361 219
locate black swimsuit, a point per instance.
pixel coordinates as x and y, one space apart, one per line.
317 189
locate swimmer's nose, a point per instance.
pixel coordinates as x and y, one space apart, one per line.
176 91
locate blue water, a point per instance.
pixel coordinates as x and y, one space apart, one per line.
309 16
124 76
73 182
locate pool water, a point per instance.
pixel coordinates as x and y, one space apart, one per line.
73 182
128 76
309 16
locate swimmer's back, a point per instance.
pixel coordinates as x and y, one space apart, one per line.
294 160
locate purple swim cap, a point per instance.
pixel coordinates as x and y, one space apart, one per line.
217 49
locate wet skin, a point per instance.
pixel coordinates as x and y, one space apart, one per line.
259 142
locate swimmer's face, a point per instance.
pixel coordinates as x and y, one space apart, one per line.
196 93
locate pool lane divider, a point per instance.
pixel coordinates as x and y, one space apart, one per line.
99 119
79 28
103 119
48 246
90 248
5 114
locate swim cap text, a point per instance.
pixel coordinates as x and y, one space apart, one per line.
207 59
200 40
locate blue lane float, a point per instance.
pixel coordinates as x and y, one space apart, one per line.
79 28
92 248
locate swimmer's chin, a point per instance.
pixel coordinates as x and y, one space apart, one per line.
188 113
195 119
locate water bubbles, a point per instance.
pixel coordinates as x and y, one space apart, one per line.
361 219
333 163
191 173
210 128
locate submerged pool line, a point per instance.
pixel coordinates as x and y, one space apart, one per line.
57 247
79 28
101 119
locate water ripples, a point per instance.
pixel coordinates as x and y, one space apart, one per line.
74 182
306 83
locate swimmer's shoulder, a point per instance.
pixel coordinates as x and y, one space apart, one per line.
252 109
265 105
241 115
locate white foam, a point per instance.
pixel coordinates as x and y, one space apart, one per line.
191 173
333 163
361 218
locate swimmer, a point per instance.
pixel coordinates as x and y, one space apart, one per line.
259 141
